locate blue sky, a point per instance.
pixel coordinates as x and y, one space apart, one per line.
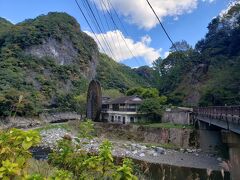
184 20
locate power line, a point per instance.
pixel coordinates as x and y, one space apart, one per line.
162 26
108 27
120 33
105 49
89 25
100 29
98 13
123 27
120 49
94 24
110 16
101 23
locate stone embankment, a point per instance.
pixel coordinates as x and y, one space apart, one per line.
44 118
193 158
179 137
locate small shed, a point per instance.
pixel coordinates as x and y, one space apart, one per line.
179 115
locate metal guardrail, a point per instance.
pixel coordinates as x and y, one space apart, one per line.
229 114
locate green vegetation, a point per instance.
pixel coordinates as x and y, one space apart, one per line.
42 81
143 92
112 93
153 105
113 75
14 145
5 26
168 125
165 145
68 161
152 108
207 75
85 165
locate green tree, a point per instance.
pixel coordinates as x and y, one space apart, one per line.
81 103
153 108
181 46
112 93
157 65
143 92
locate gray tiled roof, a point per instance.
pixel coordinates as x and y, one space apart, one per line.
127 100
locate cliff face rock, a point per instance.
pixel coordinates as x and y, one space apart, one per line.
49 61
64 53
91 70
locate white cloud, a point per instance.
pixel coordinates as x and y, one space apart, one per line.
146 39
165 55
209 1
121 51
176 18
138 12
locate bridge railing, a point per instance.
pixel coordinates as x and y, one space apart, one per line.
230 114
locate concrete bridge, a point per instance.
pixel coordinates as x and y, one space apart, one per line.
227 120
225 117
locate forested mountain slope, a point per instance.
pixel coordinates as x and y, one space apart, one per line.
49 61
118 76
209 73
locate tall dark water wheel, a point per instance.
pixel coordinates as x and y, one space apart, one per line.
94 101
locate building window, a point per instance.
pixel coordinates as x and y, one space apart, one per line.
119 118
132 119
112 119
124 120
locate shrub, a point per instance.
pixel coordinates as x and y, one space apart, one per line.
89 165
14 146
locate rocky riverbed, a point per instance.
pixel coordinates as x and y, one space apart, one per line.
193 158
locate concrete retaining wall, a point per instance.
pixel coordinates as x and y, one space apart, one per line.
184 138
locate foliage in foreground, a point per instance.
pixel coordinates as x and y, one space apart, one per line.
71 160
14 156
14 145
72 156
86 165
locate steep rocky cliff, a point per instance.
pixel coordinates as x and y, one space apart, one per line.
48 62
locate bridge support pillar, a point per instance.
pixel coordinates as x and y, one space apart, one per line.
233 142
209 137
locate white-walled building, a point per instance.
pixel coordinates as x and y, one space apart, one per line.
121 110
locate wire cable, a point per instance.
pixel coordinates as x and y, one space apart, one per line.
111 16
103 27
89 25
118 40
123 27
111 35
100 29
162 26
